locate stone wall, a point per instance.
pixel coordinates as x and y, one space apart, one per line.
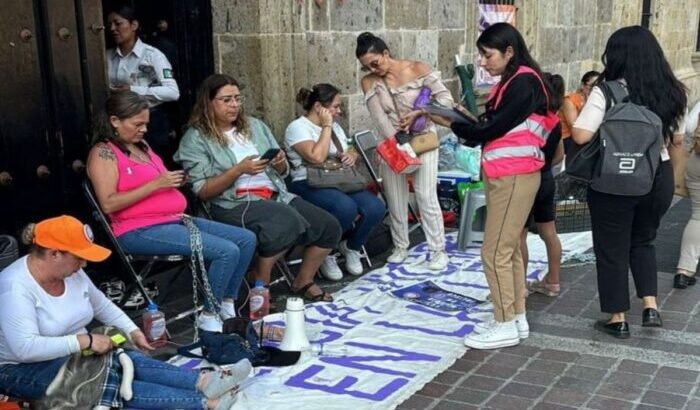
274 47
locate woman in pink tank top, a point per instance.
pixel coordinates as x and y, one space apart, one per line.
146 208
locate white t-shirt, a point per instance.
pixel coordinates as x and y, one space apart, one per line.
242 148
302 129
35 326
593 111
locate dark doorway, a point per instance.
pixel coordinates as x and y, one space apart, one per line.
187 43
52 59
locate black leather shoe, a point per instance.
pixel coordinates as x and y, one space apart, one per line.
620 330
681 281
651 318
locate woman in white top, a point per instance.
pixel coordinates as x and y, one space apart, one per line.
312 139
624 227
136 66
48 301
690 244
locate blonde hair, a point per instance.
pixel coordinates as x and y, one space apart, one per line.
203 117
27 235
27 238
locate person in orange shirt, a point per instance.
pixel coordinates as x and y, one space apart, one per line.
573 104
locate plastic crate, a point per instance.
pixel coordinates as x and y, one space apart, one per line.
571 206
572 216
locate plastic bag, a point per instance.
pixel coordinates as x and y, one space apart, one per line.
446 159
468 159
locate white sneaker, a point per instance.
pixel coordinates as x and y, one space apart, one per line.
520 323
438 261
228 310
522 326
398 255
330 270
501 334
484 326
353 259
210 323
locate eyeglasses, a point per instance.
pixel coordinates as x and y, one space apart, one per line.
228 99
373 65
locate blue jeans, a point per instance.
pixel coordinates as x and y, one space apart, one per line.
157 385
228 250
346 208
29 380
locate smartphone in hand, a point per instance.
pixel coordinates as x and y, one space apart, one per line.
269 154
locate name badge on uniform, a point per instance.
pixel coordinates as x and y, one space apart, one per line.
167 73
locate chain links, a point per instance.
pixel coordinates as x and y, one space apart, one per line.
197 265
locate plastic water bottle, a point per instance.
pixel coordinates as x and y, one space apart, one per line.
259 301
154 326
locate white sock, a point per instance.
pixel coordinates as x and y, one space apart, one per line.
228 310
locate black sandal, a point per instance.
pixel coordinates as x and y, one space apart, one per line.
303 293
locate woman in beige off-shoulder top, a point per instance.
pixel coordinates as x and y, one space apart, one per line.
404 79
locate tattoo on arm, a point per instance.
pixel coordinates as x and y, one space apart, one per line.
106 153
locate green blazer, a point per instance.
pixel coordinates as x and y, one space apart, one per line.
204 157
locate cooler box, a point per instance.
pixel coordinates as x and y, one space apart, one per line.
453 176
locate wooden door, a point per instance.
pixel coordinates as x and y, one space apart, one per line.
24 116
52 64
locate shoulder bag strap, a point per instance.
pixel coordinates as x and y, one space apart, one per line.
393 98
336 142
608 94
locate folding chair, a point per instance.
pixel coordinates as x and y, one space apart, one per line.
366 144
128 260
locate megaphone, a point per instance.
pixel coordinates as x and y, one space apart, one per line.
295 339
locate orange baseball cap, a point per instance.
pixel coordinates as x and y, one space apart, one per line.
68 234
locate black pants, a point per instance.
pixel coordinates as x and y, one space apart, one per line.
280 226
624 229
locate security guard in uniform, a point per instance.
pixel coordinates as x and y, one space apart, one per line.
143 69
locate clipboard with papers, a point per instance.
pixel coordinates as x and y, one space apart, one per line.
451 113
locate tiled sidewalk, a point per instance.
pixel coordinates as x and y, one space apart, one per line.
565 364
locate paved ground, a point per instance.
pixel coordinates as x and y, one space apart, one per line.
565 364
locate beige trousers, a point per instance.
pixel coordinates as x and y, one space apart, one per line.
425 186
508 204
690 244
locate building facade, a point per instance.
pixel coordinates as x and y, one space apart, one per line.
276 46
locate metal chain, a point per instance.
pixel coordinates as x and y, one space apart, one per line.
197 265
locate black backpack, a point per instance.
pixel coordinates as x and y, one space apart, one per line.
623 156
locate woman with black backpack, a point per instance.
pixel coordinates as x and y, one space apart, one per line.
624 226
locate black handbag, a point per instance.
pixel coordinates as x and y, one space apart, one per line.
222 348
238 341
583 161
332 173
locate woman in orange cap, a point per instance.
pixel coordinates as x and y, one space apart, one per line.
48 300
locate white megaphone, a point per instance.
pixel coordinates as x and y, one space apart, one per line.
295 339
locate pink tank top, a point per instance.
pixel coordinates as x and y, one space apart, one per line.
162 206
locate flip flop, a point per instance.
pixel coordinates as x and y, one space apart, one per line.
320 297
